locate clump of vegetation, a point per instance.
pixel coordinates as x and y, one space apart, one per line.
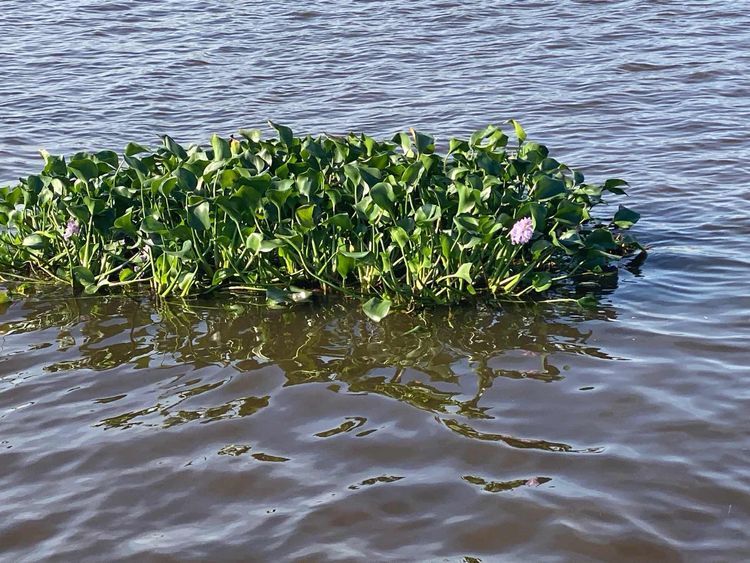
392 221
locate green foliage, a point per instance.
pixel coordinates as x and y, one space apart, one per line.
389 220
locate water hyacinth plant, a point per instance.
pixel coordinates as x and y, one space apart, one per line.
389 221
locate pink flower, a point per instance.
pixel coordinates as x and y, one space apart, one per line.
522 231
71 229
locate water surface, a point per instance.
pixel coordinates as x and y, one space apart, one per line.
136 429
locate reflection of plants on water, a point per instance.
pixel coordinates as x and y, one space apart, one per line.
423 361
503 486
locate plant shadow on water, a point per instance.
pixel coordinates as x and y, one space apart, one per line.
442 361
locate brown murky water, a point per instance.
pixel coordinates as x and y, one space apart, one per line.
223 430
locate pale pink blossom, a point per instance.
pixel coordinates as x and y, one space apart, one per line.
522 231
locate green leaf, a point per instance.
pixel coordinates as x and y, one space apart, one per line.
84 169
547 187
92 289
253 135
377 309
174 147
478 136
356 255
570 213
166 186
125 224
383 196
400 236
152 225
538 247
464 272
541 281
588 301
220 276
186 179
270 244
199 217
126 274
427 213
253 242
95 206
466 223
341 221
344 265
466 201
134 148
625 218
221 148
351 171
613 185
285 133
457 145
308 183
520 133
411 172
305 215
425 144
4 297
538 214
231 206
600 239
35 241
184 253
83 276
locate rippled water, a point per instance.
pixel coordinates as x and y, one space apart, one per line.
224 430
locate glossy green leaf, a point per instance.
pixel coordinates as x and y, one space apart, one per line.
383 196
541 281
84 169
200 216
285 133
251 134
520 133
614 185
356 255
625 218
377 309
134 148
83 276
186 179
126 274
547 187
464 272
570 213
600 239
174 147
425 144
341 221
34 241
151 225
221 148
305 215
125 224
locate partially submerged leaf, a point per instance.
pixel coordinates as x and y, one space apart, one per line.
377 309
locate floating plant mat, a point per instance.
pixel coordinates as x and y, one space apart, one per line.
391 222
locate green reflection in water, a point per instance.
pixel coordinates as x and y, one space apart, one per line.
442 361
